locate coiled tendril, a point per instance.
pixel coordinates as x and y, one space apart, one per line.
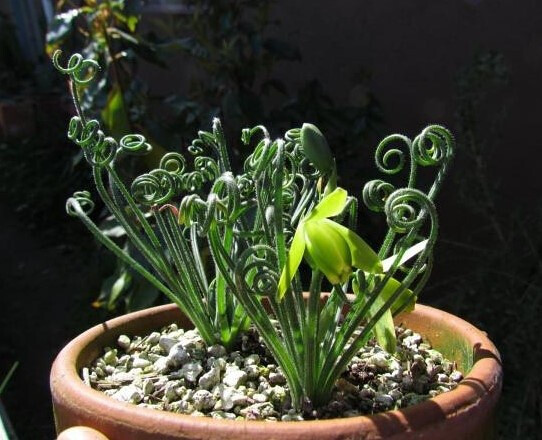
433 146
79 203
375 194
98 149
156 187
80 70
407 208
134 144
386 153
255 271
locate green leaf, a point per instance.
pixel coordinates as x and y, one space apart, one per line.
293 260
330 206
406 296
118 287
132 23
363 256
384 329
114 114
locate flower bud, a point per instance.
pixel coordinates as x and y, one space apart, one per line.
316 148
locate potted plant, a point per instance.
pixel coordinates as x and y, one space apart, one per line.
229 250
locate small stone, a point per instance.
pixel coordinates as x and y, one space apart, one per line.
181 406
123 360
231 397
153 338
170 391
420 385
395 394
384 400
203 400
277 379
222 415
278 395
124 342
220 363
140 363
366 393
122 376
216 351
210 379
191 371
191 340
407 382
166 343
253 371
178 355
443 378
259 411
292 418
234 377
147 387
129 393
346 386
413 340
456 376
379 360
161 365
110 357
259 398
253 359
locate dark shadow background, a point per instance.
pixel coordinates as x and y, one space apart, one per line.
471 65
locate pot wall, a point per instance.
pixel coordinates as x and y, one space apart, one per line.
464 413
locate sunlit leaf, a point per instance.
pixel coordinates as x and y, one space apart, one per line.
409 253
384 329
330 206
293 260
363 256
405 296
114 114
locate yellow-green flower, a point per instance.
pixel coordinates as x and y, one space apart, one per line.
327 245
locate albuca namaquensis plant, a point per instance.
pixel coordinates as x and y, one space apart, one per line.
258 225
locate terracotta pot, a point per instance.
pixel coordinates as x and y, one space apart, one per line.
464 413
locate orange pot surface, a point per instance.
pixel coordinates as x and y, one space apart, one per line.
463 413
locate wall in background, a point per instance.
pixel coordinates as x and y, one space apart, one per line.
414 49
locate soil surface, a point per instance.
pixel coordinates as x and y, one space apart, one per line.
47 287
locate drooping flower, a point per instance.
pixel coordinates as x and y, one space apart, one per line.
328 246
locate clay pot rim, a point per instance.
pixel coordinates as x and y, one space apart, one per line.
483 379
